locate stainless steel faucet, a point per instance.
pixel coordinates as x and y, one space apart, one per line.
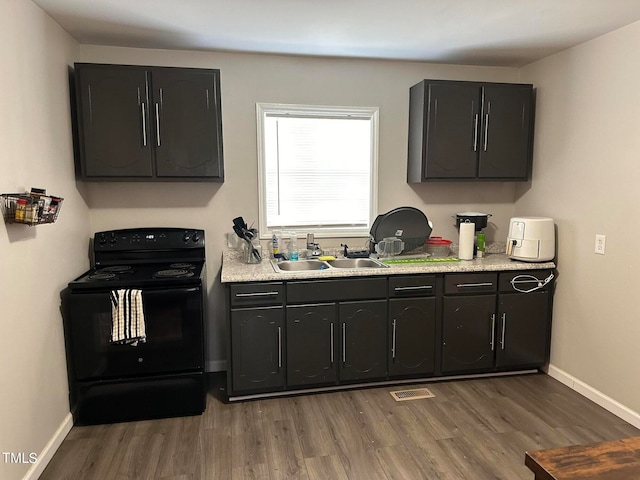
312 246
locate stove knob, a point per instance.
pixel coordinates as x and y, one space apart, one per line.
102 240
186 237
196 238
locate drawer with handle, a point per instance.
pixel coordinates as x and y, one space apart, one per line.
257 294
470 283
412 286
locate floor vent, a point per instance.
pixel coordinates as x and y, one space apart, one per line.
415 394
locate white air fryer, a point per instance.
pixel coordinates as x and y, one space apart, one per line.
531 239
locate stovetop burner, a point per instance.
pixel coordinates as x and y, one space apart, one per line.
181 265
173 273
117 269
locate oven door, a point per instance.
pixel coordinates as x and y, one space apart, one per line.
174 328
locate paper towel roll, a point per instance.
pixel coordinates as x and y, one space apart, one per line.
465 242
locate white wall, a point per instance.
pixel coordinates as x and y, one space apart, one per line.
35 262
247 79
587 176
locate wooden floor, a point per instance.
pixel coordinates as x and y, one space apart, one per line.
472 429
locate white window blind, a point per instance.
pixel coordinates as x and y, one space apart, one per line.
317 168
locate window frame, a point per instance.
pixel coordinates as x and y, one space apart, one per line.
317 111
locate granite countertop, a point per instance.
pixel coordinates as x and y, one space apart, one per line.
234 270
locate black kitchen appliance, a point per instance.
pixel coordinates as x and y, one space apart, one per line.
163 376
406 223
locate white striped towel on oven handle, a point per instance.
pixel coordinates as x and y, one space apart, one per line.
127 315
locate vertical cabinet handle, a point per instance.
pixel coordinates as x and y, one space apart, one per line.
144 124
331 340
504 326
143 114
493 331
344 343
486 129
158 124
475 133
393 340
279 347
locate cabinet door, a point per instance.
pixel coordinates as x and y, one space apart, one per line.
413 325
257 338
523 329
113 121
468 333
363 340
311 334
186 108
452 139
506 131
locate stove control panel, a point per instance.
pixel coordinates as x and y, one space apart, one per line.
148 239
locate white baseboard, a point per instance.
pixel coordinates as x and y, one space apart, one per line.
45 456
595 396
216 366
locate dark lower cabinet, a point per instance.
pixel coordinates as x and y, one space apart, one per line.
522 330
363 340
257 341
296 335
311 340
412 335
468 333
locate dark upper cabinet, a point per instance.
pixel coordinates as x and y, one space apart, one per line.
470 131
148 123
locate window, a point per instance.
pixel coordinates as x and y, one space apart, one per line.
317 168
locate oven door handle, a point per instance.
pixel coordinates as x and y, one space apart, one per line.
165 290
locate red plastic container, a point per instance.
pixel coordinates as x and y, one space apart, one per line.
438 247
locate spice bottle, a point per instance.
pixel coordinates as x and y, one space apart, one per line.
21 208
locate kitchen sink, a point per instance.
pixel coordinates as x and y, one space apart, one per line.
356 263
299 266
315 265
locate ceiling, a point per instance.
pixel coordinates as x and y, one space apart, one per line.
474 32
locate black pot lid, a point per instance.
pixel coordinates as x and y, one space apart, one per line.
406 223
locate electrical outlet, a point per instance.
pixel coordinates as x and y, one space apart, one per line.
600 244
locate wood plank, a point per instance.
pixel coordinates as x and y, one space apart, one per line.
250 472
311 427
247 436
325 467
284 454
182 448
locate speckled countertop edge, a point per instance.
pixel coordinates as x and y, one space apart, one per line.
234 270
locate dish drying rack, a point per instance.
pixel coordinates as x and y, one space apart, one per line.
30 208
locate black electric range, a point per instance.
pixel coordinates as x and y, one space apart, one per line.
164 374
